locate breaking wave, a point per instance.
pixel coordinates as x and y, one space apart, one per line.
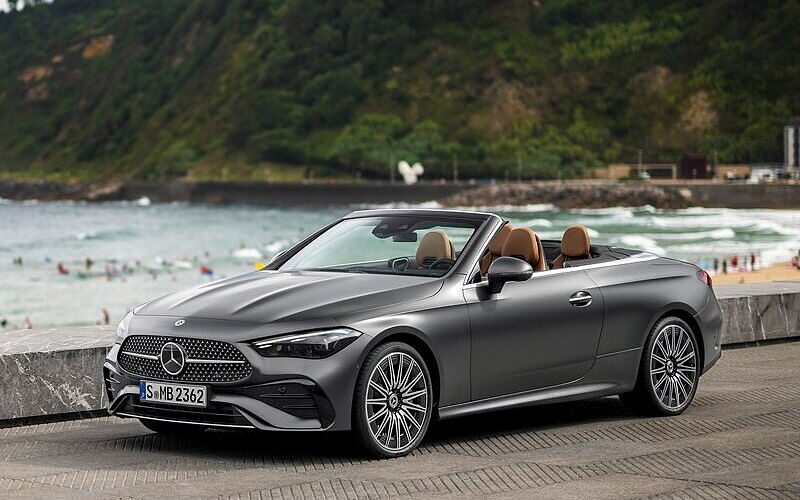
640 242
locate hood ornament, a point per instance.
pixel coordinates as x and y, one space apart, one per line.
180 322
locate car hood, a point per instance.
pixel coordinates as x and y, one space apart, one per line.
274 296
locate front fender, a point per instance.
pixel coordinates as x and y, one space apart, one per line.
440 324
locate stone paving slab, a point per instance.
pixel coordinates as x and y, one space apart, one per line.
741 439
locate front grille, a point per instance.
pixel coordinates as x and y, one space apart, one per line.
214 414
207 360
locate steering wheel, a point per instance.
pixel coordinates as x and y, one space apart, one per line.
400 264
447 262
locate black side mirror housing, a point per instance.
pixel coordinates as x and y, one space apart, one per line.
506 269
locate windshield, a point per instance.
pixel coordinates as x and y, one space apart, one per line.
422 246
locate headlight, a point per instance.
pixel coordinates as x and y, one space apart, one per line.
122 327
314 345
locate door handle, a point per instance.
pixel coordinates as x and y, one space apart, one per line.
580 299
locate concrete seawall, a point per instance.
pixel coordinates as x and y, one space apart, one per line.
567 194
221 193
57 373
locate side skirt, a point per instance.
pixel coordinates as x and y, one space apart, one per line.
613 373
530 398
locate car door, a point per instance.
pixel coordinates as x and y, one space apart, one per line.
536 333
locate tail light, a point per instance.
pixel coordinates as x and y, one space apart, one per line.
704 277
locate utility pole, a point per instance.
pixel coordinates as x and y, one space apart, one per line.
716 162
640 163
391 167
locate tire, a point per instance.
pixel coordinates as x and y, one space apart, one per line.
393 401
669 370
171 427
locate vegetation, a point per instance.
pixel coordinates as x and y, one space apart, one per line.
257 89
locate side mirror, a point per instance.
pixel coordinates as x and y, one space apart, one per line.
506 269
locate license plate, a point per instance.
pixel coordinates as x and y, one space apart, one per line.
176 394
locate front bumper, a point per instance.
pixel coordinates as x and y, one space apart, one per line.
288 394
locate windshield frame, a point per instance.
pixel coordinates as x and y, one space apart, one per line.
465 261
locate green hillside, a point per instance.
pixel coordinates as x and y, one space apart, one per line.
254 89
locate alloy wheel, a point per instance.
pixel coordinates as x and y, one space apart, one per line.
397 401
673 366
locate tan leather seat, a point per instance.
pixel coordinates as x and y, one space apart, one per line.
495 248
435 245
523 243
575 245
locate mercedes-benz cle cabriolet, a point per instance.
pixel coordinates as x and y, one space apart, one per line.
386 320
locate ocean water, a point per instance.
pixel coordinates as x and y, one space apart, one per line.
141 250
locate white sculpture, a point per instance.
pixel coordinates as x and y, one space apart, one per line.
410 173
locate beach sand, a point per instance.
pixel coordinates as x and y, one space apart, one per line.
778 272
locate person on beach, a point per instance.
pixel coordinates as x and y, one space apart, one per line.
724 266
207 272
89 263
27 324
62 269
111 272
752 261
796 262
735 263
106 316
716 265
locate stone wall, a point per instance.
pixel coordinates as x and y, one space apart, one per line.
52 372
57 372
759 311
666 195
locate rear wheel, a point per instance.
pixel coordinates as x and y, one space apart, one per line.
669 370
171 427
393 401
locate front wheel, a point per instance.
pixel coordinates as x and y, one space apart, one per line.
393 401
669 370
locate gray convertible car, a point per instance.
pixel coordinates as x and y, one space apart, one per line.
388 319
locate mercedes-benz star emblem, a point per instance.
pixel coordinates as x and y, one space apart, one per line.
173 359
180 322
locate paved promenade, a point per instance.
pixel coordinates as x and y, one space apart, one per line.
740 439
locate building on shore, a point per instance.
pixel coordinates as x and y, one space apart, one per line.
695 166
635 171
732 172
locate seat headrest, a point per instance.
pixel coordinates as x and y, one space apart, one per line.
575 242
521 243
496 246
434 245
